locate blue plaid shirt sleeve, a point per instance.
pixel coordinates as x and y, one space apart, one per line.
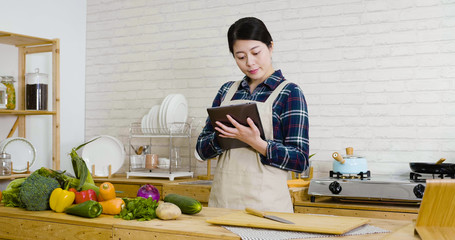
290 147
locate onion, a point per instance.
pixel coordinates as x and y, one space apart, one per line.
149 191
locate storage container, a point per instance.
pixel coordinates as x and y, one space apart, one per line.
5 164
9 97
36 90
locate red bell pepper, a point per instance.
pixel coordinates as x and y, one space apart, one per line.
84 196
74 191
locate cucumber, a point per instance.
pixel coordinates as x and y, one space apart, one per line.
188 205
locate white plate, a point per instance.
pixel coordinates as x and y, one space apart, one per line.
163 111
148 121
177 110
153 116
156 120
21 151
104 151
144 124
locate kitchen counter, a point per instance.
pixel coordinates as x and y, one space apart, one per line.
200 190
21 224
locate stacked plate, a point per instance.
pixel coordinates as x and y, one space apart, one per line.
166 117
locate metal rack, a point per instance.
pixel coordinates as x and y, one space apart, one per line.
175 131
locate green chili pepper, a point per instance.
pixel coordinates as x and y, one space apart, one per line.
88 209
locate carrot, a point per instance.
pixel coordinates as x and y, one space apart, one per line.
107 191
113 206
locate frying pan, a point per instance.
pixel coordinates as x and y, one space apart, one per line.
435 168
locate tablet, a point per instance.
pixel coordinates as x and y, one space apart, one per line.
240 112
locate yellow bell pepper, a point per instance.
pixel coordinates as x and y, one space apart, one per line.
61 199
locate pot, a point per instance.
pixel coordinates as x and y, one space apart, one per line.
433 168
349 164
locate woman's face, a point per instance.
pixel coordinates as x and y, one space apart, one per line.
254 59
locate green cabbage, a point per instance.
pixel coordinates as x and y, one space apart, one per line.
11 193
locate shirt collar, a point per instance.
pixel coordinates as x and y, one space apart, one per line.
271 82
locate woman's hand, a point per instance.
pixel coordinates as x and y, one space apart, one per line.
247 134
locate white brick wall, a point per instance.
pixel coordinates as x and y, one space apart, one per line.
378 75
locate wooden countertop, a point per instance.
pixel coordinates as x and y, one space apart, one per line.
21 224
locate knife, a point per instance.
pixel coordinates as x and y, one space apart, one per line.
271 217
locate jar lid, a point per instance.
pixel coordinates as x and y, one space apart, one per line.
7 78
36 77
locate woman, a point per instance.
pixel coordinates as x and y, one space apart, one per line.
256 176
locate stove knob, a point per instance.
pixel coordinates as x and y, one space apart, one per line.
335 187
418 190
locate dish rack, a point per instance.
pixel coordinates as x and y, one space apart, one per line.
176 130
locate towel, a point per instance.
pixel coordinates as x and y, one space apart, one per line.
267 234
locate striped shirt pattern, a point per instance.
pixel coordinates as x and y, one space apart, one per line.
290 146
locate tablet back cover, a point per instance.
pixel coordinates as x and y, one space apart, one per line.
240 112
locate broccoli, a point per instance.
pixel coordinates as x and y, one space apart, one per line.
36 190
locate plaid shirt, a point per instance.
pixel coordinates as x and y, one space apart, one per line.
289 148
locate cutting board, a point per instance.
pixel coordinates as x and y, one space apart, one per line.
436 213
303 222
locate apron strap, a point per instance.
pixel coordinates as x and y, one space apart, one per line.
275 92
232 90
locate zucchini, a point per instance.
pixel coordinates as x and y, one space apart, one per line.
188 205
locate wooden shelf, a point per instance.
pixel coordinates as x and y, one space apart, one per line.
14 176
27 112
31 45
22 40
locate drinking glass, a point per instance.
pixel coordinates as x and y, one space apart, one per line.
175 157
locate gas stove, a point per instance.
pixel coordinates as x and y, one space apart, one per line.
370 188
422 177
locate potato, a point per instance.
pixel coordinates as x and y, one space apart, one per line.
168 211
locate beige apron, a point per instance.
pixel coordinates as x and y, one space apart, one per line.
240 179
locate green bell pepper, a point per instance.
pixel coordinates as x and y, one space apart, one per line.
88 209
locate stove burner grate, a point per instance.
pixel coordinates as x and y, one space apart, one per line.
421 177
360 175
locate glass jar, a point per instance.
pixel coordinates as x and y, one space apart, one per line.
5 164
36 90
3 99
8 82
